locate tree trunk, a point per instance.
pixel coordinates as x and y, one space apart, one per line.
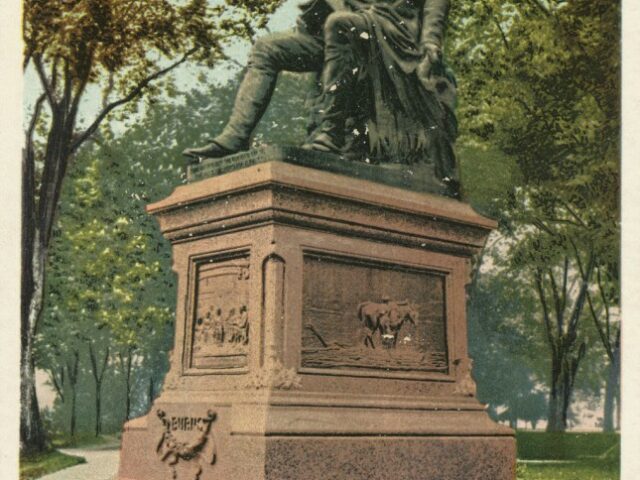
151 391
98 407
128 386
554 420
98 376
32 434
618 409
72 374
563 371
72 425
611 392
37 223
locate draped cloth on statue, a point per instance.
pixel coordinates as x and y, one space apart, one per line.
408 119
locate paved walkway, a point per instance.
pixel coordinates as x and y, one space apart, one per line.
102 464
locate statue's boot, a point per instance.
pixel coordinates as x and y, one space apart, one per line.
251 102
330 135
338 83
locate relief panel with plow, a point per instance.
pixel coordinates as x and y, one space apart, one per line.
365 315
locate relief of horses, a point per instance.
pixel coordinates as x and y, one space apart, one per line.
386 318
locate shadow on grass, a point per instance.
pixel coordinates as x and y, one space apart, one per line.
37 465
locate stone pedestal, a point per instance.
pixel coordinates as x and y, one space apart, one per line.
320 333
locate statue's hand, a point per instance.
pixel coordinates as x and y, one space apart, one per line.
431 55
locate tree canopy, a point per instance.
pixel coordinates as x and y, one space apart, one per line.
540 81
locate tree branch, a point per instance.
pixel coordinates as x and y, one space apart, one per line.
573 213
556 301
34 118
564 282
72 370
601 333
54 75
94 366
104 363
540 7
605 302
67 91
58 385
232 60
577 309
137 90
545 309
576 252
108 90
37 61
75 103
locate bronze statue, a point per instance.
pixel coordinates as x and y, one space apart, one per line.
386 93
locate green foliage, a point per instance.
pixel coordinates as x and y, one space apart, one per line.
96 40
488 177
38 465
541 82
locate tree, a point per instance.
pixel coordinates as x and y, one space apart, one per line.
604 310
541 82
123 47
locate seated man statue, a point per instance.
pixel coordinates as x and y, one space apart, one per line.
384 84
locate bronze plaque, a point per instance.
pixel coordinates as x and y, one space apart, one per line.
220 333
365 315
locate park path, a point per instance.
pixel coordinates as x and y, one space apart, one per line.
102 464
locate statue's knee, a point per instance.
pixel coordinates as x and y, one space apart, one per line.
262 52
339 25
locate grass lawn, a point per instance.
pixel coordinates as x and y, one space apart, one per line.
582 470
35 466
568 456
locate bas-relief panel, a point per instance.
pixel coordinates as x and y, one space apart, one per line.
359 315
220 328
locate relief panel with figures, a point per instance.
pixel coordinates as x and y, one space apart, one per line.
221 323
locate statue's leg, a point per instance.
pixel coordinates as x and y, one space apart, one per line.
290 51
346 42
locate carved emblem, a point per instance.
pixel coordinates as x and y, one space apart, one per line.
184 439
465 385
221 326
361 315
